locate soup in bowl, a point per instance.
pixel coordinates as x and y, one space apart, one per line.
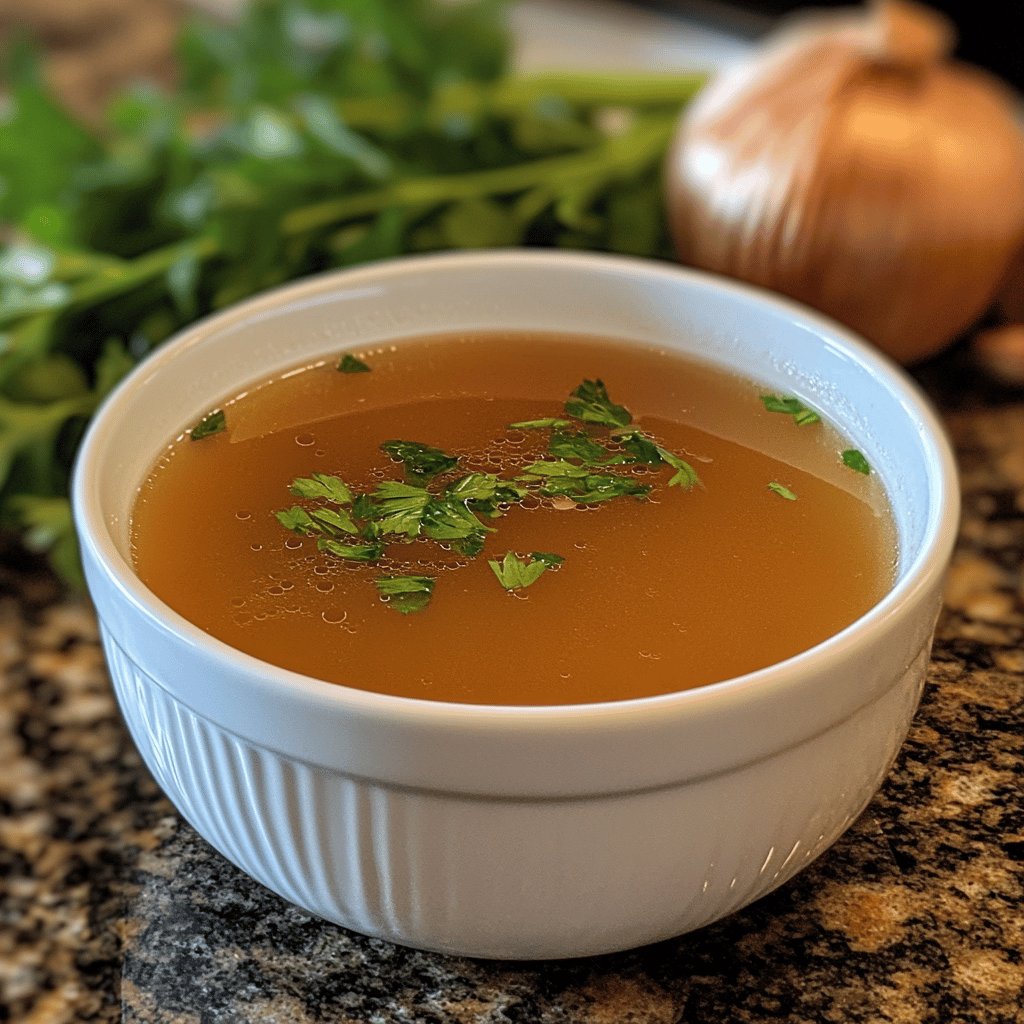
517 604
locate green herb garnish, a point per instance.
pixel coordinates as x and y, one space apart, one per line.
515 573
349 364
212 423
544 424
451 519
320 485
590 403
578 445
563 479
547 557
406 594
685 476
421 461
398 508
802 416
781 491
640 449
454 512
334 520
298 520
351 552
856 461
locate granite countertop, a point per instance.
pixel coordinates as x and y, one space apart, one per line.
114 909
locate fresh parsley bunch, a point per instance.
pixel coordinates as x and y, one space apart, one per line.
312 134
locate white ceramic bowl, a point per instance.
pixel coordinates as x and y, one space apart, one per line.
502 831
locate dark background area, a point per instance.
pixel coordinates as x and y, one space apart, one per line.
989 32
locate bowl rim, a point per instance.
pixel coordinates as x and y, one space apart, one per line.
919 578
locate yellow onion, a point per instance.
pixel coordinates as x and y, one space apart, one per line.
853 166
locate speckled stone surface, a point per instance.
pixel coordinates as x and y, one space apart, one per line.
113 909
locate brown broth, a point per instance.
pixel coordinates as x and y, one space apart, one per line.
678 591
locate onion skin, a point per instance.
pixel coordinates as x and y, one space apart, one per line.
861 174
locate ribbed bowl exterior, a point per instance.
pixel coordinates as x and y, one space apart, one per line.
506 877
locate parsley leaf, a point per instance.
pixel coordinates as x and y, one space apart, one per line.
349 364
334 522
553 424
549 559
212 423
364 507
590 403
399 507
640 449
856 461
297 520
802 416
406 594
474 487
562 479
351 552
577 445
470 546
450 520
320 485
781 491
421 461
685 476
515 573
559 468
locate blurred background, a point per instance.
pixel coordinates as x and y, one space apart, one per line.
96 45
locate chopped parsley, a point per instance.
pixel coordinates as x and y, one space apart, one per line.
546 424
577 445
685 475
421 461
296 519
515 573
563 479
434 504
590 403
640 448
856 461
320 485
351 552
405 594
212 423
398 508
802 416
350 364
549 559
781 491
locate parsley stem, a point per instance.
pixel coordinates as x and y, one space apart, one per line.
514 94
613 158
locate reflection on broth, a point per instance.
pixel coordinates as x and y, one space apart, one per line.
526 534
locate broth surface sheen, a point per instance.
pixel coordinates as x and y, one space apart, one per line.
682 589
